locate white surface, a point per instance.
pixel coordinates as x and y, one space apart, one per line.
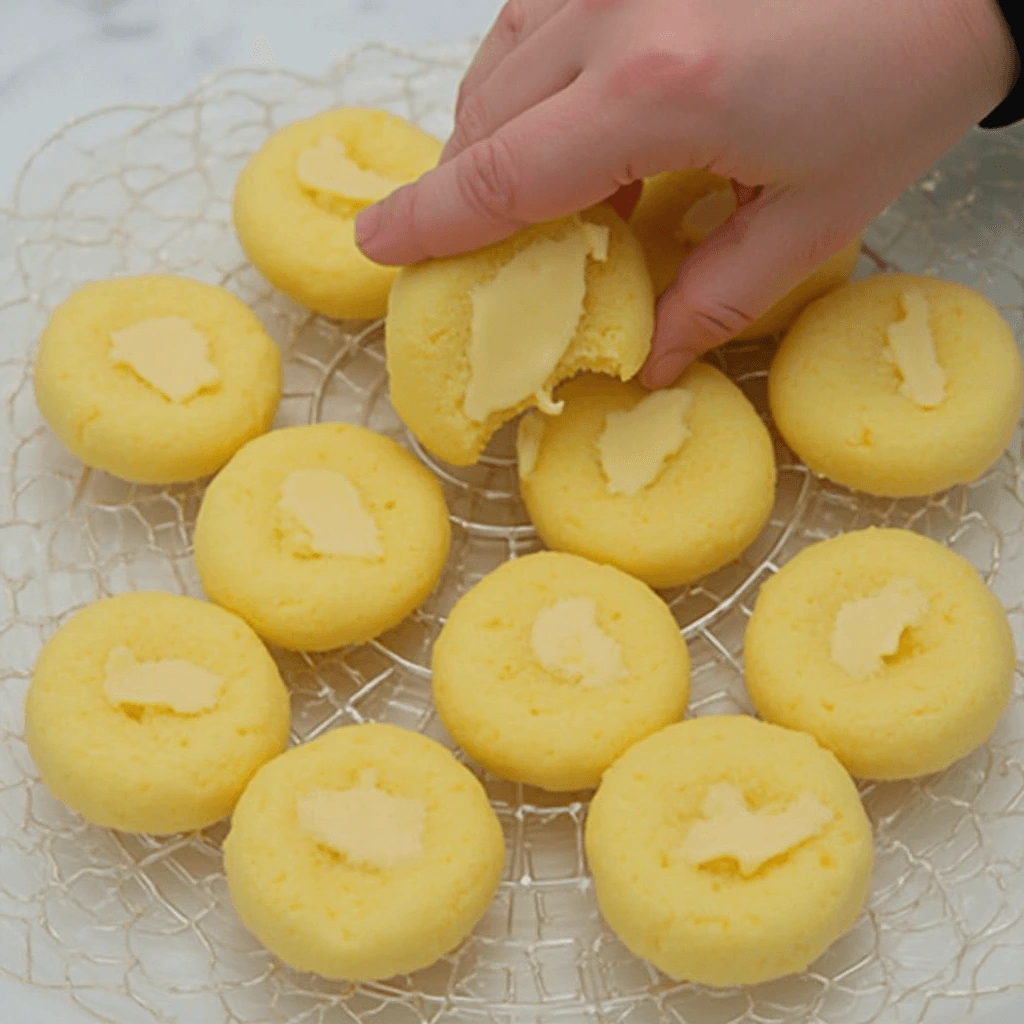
63 58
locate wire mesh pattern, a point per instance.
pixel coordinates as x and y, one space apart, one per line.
141 929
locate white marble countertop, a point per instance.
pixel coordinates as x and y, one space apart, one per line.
63 58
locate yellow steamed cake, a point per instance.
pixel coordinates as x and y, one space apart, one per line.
156 379
727 851
473 340
552 666
886 647
840 396
150 712
700 445
296 200
366 853
322 535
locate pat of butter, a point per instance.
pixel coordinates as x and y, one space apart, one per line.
636 443
706 215
321 514
168 354
526 317
326 167
528 441
731 831
567 641
172 683
367 826
868 630
598 237
911 349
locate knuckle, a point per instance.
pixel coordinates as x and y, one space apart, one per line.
665 73
511 23
486 179
470 122
719 320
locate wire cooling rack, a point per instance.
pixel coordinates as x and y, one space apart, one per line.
137 929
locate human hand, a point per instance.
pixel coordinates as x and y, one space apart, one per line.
822 111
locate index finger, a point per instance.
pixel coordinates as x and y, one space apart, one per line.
528 171
516 20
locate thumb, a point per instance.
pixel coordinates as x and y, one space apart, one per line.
738 272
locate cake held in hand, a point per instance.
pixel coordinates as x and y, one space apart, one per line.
297 198
552 666
474 340
322 535
885 646
679 209
667 486
150 712
898 385
156 379
727 851
366 853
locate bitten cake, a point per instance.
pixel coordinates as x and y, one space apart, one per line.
322 535
552 666
296 201
727 851
474 340
156 379
366 853
886 647
150 712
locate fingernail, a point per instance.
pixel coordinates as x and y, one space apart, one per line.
368 223
665 369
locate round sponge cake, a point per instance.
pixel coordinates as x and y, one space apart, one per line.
150 712
658 223
727 851
322 535
432 323
156 379
707 502
296 201
886 647
366 853
841 403
552 666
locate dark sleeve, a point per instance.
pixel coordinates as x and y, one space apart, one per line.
1012 108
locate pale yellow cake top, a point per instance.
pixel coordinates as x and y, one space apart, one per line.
840 393
668 486
296 200
156 379
365 853
887 647
552 666
322 535
728 851
150 712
